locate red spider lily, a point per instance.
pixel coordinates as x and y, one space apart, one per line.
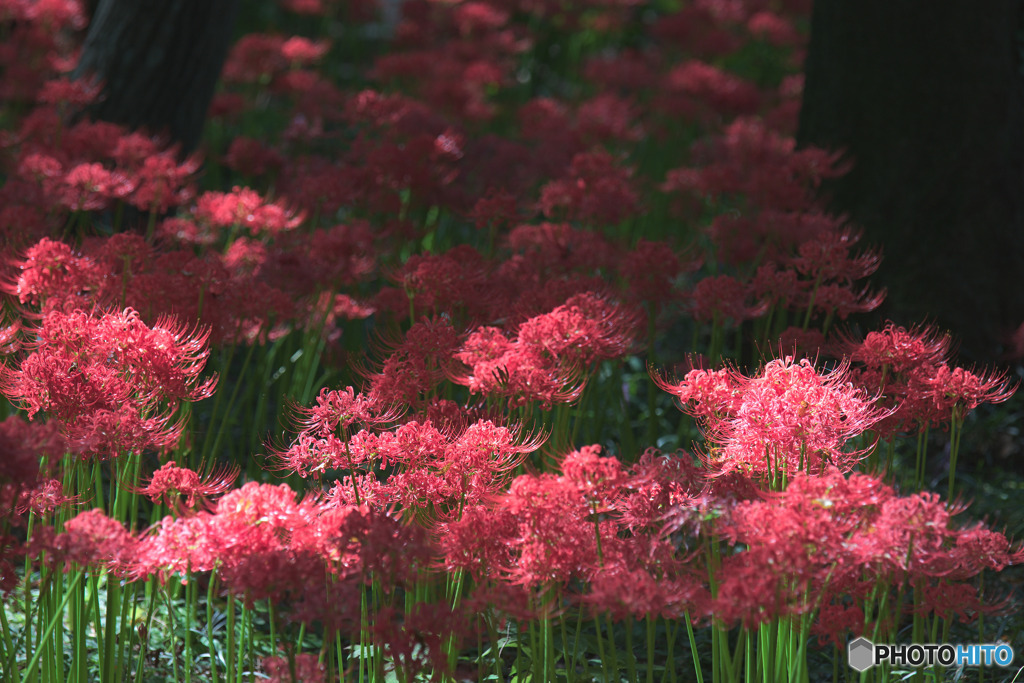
841 300
584 330
707 394
30 455
124 270
555 536
595 191
454 282
415 365
791 418
53 275
417 640
440 476
626 70
827 257
91 187
551 249
550 352
896 350
829 539
588 522
308 669
774 29
800 342
24 446
752 161
608 118
652 270
701 29
255 57
46 497
339 409
723 297
161 181
699 91
436 474
77 93
244 207
178 545
911 369
955 391
599 479
520 372
657 485
769 235
258 536
171 484
622 593
89 539
308 557
497 209
252 157
112 382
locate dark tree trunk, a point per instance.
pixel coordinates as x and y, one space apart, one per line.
159 61
928 101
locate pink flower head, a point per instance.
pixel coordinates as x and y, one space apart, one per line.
171 483
519 371
598 478
93 539
957 391
586 329
112 381
652 269
252 157
339 409
245 207
793 418
162 181
596 190
52 273
608 118
706 92
91 187
751 160
416 364
827 257
896 350
708 394
723 297
911 369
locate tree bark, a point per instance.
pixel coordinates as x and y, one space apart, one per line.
928 102
159 61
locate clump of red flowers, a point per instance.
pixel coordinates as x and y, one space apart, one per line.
111 382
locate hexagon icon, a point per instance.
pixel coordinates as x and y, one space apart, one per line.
860 654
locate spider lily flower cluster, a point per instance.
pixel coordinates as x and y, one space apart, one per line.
365 399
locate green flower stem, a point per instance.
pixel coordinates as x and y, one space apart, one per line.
600 649
229 659
152 590
956 425
55 618
492 635
569 656
174 631
613 651
650 648
629 654
211 592
210 447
